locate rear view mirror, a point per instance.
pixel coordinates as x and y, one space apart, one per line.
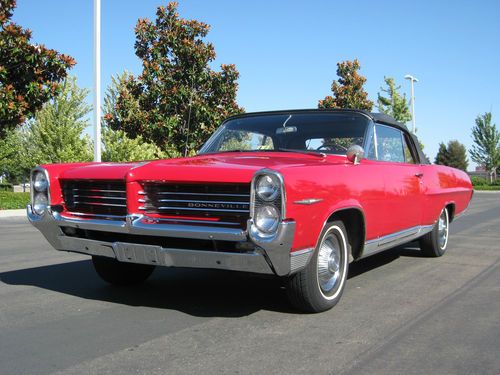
355 153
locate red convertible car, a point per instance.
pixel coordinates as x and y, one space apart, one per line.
296 194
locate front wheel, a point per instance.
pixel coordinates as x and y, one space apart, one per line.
434 243
121 273
319 286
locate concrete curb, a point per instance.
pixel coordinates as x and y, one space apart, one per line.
12 213
486 192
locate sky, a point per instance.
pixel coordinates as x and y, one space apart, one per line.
287 51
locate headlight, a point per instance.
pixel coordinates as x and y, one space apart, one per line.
40 203
40 182
268 187
267 218
39 191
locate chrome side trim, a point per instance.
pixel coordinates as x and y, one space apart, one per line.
309 201
300 259
394 239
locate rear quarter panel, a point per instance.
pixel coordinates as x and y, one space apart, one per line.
442 186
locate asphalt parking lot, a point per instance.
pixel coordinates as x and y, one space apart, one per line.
400 313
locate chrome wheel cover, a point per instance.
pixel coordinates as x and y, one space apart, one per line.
329 263
443 226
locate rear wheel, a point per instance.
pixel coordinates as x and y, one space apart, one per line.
434 243
121 273
319 286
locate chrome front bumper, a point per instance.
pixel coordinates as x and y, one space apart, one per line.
271 255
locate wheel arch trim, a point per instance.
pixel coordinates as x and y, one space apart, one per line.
337 212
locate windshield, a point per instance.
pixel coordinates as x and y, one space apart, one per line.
331 133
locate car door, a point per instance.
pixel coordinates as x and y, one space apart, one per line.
402 180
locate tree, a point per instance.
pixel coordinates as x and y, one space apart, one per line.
442 155
55 134
14 164
348 92
486 150
394 104
454 155
117 146
178 100
29 73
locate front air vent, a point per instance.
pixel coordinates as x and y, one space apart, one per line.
104 199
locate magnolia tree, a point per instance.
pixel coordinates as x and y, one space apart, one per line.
29 73
178 99
348 91
117 145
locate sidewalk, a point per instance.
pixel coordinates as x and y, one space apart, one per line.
13 213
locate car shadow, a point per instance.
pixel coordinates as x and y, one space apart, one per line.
201 293
359 267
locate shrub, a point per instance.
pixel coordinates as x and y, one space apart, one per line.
476 181
10 200
6 187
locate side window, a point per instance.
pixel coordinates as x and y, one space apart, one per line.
409 158
389 144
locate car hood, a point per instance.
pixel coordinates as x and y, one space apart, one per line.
227 167
222 167
95 171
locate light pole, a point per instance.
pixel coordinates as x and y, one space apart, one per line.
412 79
97 80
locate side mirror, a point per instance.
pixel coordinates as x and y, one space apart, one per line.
355 153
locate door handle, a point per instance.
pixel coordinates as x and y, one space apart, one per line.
419 175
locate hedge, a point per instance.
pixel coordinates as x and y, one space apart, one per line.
6 187
10 200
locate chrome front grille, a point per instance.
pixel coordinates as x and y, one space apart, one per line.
204 204
95 198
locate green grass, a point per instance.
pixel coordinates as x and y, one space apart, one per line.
10 200
487 187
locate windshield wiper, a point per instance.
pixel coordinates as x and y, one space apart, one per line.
307 152
226 151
